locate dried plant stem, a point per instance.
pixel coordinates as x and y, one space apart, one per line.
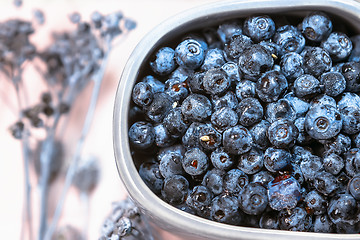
98 77
27 219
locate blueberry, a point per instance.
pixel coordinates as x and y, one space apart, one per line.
269 220
259 27
195 83
195 162
310 166
351 72
323 122
142 135
213 180
316 61
236 45
297 173
356 140
182 73
232 71
351 120
295 220
283 193
216 81
253 199
189 54
159 107
224 118
245 89
316 26
282 133
282 109
164 61
150 174
252 161
354 187
272 47
276 159
192 135
271 86
156 85
227 100
352 161
214 58
162 137
199 38
199 199
228 29
250 111
174 122
235 180
196 108
338 45
290 39
306 86
176 89
209 138
170 164
177 148
175 189
142 94
333 163
258 131
255 60
343 209
237 140
262 177
315 203
224 209
221 159
334 83
326 183
323 224
291 65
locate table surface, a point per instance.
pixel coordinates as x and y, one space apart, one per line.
148 14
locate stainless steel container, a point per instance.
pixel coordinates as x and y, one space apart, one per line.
160 214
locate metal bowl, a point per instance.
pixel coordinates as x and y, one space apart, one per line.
160 214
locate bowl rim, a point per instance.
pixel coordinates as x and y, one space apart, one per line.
170 218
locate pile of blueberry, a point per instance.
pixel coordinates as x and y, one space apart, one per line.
255 122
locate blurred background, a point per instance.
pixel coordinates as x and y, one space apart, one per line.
99 143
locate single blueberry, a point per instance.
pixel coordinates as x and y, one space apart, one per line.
228 29
259 27
333 83
214 180
258 131
354 187
323 122
269 220
209 137
224 118
199 199
352 161
316 61
216 81
159 107
306 86
195 162
351 120
232 71
255 60
214 58
192 135
310 166
175 189
227 100
263 177
250 111
271 86
235 180
333 163
237 140
276 159
142 94
224 209
164 61
253 199
174 122
252 161
295 220
316 26
150 174
162 136
291 65
196 107
236 45
351 72
156 85
245 89
323 224
282 133
315 203
189 54
170 164
221 159
338 45
290 39
142 135
176 89
283 193
281 109
303 137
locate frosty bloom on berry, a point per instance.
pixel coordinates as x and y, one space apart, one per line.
283 193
